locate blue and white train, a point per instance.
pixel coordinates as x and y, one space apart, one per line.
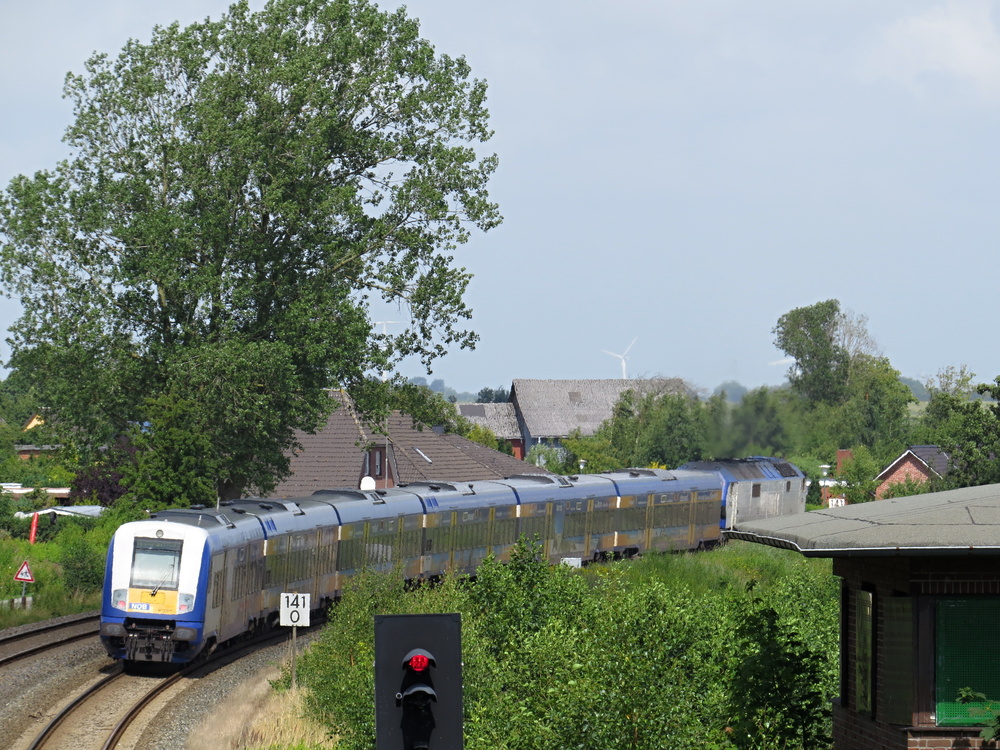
183 581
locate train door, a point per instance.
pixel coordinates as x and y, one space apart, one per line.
350 550
234 609
438 543
535 524
411 533
603 530
275 572
255 579
732 504
692 535
215 595
503 531
326 562
471 536
381 538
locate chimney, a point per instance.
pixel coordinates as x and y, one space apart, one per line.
843 454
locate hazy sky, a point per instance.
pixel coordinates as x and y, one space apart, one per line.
678 172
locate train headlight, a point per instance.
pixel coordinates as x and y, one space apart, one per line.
185 603
119 598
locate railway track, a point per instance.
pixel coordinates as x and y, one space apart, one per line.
108 715
39 639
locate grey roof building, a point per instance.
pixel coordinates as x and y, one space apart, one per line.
500 419
955 522
349 448
549 410
920 599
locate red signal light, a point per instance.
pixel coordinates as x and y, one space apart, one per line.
418 662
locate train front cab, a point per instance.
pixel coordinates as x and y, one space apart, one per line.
152 609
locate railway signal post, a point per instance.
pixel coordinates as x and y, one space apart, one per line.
418 682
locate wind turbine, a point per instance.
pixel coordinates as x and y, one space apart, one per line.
385 325
622 357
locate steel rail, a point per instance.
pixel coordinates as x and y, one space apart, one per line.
48 626
56 722
57 642
215 660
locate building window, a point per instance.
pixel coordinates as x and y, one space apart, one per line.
378 462
755 490
864 651
967 652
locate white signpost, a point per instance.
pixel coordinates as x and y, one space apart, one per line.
294 612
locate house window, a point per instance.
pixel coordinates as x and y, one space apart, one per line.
378 462
755 490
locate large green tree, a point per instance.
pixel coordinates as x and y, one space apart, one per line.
875 411
970 435
810 335
237 193
668 429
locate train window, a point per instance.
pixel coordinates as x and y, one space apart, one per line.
156 563
218 588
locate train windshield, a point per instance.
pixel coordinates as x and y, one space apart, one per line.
156 564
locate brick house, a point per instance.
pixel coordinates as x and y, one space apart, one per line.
920 599
918 463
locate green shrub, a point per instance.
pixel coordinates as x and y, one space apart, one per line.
82 564
641 655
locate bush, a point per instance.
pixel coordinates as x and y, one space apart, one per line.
83 565
643 655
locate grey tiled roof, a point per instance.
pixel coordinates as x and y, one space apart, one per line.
495 461
426 455
933 456
334 456
555 408
955 522
500 419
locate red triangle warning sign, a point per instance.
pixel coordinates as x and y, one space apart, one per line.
24 574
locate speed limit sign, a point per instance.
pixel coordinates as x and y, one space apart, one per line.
294 610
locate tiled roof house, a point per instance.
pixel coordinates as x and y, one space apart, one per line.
500 419
348 448
549 410
919 463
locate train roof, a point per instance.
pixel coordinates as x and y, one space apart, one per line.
353 505
209 518
754 467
